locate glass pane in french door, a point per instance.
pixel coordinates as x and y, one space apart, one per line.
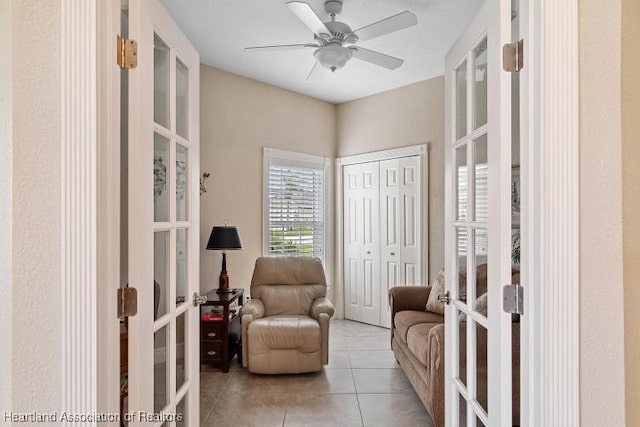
161 146
182 273
182 99
461 100
481 178
161 256
480 72
181 339
462 183
181 412
161 71
160 368
182 182
482 379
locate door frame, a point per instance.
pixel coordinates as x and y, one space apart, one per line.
415 150
550 146
108 200
550 183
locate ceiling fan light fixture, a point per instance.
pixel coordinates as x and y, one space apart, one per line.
333 56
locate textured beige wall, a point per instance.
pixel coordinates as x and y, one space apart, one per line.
6 171
36 207
631 204
239 117
405 116
601 282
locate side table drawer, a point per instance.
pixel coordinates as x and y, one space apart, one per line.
211 351
212 331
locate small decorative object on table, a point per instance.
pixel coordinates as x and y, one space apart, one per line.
224 238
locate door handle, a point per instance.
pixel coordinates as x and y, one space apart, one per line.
393 254
445 298
199 299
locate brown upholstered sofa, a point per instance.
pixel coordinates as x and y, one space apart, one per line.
417 340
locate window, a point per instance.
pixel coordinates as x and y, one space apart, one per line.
295 204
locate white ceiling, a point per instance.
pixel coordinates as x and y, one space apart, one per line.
221 29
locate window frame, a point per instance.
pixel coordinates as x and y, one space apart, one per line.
272 156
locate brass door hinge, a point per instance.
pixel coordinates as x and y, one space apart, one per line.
127 302
127 53
513 57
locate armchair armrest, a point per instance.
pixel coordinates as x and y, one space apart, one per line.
251 310
322 310
321 305
254 307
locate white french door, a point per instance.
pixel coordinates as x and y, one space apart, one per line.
163 249
478 368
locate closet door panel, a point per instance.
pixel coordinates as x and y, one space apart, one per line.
390 234
410 221
370 255
352 241
362 242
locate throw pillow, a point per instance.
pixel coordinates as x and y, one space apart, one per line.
481 307
481 304
437 289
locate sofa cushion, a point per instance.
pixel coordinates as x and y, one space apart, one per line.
437 289
418 341
405 319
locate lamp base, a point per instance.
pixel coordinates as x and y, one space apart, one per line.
225 291
223 284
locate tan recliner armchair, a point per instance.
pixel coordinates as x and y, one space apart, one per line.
285 325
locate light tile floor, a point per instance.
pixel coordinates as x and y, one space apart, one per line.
362 386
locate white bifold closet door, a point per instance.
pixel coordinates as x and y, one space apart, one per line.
382 234
362 242
400 233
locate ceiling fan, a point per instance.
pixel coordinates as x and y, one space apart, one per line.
332 36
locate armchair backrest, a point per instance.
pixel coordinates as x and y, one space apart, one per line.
288 285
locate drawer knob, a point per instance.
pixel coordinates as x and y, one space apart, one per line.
211 353
212 334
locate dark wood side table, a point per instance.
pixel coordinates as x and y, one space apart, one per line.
221 340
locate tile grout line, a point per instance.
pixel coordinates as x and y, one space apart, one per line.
218 398
284 418
357 394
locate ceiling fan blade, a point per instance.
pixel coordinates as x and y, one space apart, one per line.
317 73
376 58
305 13
397 22
282 47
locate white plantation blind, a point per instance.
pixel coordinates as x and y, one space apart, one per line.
295 204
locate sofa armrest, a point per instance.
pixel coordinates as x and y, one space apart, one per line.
408 298
321 305
254 307
435 373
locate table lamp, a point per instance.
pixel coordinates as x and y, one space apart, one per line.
224 238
